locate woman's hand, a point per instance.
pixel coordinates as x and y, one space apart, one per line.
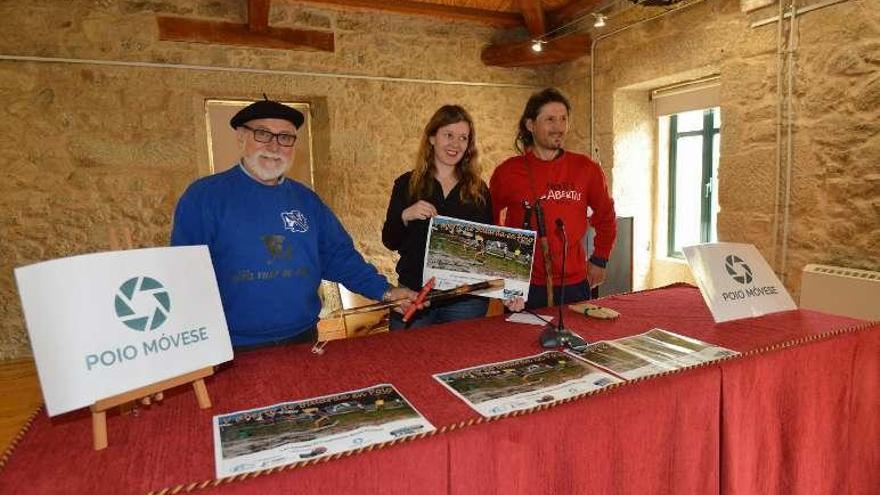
421 210
515 304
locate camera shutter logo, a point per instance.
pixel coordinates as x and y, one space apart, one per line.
142 303
738 269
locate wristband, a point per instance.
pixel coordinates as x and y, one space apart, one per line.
600 262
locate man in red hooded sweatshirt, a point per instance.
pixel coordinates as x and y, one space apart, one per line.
567 186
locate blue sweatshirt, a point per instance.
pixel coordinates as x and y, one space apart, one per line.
270 247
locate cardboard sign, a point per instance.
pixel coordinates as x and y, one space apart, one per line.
736 281
106 323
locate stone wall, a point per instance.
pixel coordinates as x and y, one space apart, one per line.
90 146
835 182
835 213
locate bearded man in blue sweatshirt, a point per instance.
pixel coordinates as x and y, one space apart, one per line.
271 238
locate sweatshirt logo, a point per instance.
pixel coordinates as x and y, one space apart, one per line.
275 246
294 221
562 192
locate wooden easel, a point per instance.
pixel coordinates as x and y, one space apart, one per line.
120 239
99 408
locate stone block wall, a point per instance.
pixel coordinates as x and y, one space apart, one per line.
834 209
94 141
835 216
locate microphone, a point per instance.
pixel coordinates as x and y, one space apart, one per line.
556 336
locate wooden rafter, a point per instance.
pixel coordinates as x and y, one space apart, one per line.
557 50
258 15
573 9
254 33
533 16
229 33
470 14
520 54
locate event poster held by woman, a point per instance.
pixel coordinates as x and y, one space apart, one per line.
444 181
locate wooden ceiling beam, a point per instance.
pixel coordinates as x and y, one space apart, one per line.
533 16
258 15
230 33
255 33
520 54
572 10
481 16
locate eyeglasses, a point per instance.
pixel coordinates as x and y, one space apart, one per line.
264 136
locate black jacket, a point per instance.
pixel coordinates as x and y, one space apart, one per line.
410 240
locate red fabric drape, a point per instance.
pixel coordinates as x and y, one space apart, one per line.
655 436
804 420
799 419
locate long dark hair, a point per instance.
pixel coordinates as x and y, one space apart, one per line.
524 138
421 182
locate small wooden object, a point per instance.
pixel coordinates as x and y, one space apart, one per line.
99 408
593 311
337 323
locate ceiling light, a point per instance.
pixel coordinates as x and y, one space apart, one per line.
536 45
600 20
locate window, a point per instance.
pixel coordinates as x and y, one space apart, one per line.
694 142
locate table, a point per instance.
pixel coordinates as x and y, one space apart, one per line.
796 413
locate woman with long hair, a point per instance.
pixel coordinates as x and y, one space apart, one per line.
444 181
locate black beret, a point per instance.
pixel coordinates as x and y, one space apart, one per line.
267 109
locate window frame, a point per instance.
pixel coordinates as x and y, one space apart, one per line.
707 215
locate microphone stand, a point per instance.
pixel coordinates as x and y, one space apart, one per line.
556 336
527 218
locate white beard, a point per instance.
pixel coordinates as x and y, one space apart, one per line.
263 165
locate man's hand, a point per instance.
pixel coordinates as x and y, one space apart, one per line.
408 296
421 210
595 275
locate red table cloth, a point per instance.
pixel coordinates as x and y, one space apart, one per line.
797 413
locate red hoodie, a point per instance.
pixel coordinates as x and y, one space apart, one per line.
566 186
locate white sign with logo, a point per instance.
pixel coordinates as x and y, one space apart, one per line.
106 323
736 281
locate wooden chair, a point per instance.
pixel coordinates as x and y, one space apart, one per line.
362 324
335 297
496 307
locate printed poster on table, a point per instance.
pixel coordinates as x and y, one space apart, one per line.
461 252
650 353
499 388
736 281
289 432
106 323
